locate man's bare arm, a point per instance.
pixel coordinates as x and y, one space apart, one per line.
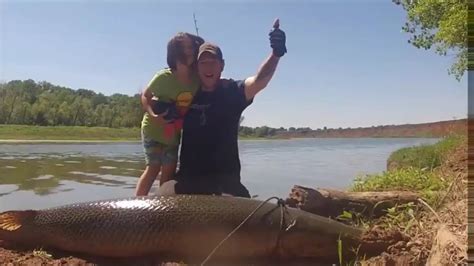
255 84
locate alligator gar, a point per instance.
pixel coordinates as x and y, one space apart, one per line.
182 226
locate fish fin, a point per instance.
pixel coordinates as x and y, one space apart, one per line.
13 220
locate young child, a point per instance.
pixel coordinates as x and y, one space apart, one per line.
165 101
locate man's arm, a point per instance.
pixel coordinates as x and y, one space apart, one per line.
255 84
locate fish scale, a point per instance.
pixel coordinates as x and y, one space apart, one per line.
182 226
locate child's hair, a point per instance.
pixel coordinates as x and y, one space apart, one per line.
175 48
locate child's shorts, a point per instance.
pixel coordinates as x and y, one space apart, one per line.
159 153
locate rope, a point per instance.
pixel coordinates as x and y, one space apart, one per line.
280 203
283 209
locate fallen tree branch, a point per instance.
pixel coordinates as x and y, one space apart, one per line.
331 203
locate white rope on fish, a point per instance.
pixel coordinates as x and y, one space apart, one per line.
280 203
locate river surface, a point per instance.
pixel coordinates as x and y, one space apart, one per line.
47 175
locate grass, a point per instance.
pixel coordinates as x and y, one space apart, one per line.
426 182
248 137
79 133
415 171
425 156
21 132
41 254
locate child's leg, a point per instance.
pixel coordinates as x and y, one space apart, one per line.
146 179
153 153
167 188
167 172
168 163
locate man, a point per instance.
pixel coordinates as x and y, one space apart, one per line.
209 159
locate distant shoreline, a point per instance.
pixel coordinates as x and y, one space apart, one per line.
78 141
92 141
10 134
60 141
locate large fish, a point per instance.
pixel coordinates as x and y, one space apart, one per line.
186 227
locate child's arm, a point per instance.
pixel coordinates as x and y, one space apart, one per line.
146 100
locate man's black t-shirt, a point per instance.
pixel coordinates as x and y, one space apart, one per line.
209 158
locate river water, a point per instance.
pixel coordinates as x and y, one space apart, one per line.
46 175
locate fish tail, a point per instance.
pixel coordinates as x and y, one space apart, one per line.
14 220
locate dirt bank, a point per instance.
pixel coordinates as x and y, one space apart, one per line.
439 237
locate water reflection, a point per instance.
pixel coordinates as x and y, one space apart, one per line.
46 174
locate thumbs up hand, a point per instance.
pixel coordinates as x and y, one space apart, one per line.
278 39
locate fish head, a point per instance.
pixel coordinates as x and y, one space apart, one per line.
315 237
301 244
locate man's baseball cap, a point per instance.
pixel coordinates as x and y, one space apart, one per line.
210 48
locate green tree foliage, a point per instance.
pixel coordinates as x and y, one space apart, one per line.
31 103
44 104
439 24
266 131
246 131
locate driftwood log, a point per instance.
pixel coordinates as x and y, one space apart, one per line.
332 203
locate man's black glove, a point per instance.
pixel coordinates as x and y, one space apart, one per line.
277 39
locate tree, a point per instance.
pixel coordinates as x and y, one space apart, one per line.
261 131
439 24
246 131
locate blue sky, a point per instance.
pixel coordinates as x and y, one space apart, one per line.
348 63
